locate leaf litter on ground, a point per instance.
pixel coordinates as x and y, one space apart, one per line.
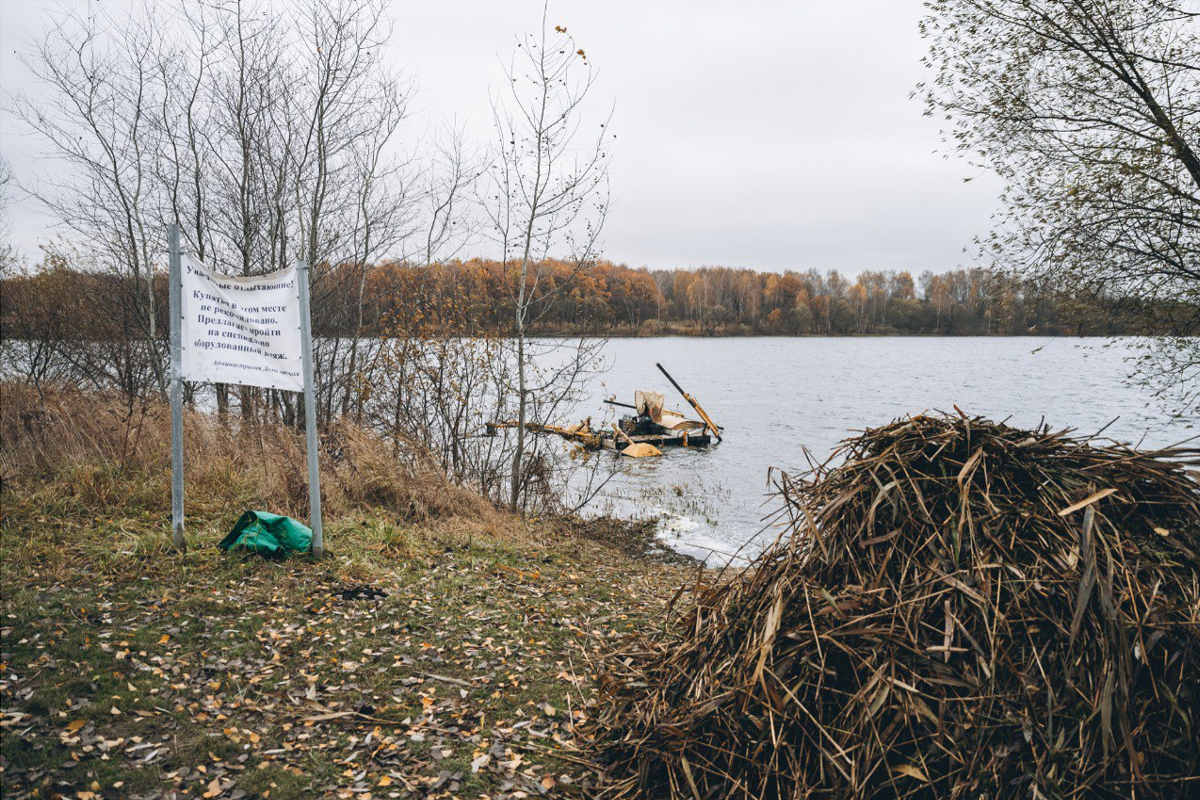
460 673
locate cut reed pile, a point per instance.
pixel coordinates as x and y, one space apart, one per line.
958 609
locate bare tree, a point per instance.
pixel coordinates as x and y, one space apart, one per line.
1088 109
448 183
267 136
354 201
268 131
546 189
97 117
8 253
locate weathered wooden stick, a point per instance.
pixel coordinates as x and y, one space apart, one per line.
692 402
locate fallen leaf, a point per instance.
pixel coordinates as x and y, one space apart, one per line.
911 771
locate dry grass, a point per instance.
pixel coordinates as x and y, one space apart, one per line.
86 463
60 434
961 609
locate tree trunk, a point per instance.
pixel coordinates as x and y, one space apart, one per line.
519 455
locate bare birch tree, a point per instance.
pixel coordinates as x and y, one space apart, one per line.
547 188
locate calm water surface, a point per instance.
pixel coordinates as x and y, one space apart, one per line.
776 396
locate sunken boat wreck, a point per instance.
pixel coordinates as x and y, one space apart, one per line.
642 433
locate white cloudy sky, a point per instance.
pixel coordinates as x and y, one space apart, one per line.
764 134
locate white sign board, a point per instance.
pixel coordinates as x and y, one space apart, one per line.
241 330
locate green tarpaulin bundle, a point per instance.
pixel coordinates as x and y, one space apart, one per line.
268 535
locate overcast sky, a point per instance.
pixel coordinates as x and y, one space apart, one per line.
770 135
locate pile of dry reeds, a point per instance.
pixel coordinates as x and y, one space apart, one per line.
960 609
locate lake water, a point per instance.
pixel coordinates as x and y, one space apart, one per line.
777 396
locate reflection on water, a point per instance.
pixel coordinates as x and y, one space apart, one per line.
775 397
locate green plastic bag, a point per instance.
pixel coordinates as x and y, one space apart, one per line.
268 535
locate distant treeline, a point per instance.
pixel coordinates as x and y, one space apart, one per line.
604 299
614 299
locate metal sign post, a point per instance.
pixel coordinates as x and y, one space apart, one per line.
310 413
176 310
239 305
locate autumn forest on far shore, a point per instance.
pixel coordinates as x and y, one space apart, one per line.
474 297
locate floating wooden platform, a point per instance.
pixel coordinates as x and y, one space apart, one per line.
682 439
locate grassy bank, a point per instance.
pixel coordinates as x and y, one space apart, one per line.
441 650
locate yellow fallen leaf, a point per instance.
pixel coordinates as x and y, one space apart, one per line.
911 771
165 638
385 781
76 725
